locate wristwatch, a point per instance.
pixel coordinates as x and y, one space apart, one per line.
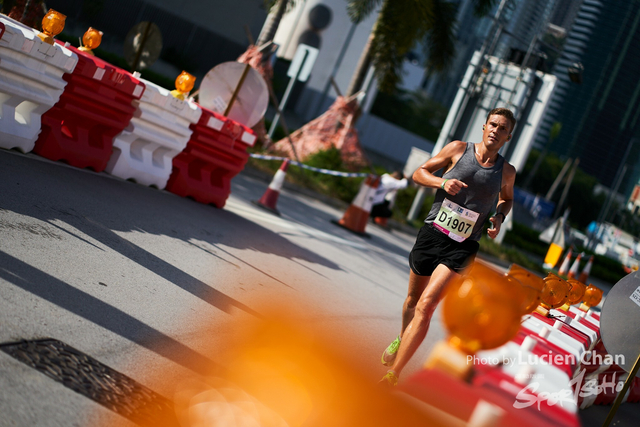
503 216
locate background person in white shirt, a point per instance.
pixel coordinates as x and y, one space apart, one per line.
386 193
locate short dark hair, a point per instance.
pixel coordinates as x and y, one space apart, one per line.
505 112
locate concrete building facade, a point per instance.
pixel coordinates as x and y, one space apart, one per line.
196 34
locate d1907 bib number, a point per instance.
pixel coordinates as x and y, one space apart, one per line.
455 221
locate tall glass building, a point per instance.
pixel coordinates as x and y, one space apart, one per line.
601 115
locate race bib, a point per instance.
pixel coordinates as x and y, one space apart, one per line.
455 221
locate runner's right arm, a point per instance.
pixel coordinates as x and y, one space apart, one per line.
446 158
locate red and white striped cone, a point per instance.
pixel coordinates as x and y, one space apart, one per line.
564 267
574 272
357 215
270 197
584 276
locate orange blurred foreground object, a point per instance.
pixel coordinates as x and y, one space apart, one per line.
52 25
555 291
281 371
481 309
91 40
576 292
184 85
592 297
526 277
532 286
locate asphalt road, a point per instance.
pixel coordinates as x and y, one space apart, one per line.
151 284
159 287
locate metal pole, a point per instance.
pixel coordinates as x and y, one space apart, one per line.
565 191
625 388
613 192
272 95
237 89
285 97
418 201
558 179
605 208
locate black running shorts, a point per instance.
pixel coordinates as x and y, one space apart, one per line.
433 247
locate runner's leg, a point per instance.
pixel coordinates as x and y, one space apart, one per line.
418 327
417 285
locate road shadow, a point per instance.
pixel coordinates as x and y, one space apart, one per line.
100 206
82 304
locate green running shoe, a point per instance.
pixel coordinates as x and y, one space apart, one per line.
389 380
390 353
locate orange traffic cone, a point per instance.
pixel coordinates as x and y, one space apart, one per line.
270 197
356 217
382 222
575 268
587 270
564 267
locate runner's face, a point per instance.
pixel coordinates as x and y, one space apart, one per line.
496 132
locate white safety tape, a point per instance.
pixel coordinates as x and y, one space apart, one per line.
320 170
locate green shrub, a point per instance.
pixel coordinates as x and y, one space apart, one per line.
343 188
403 203
509 254
527 239
607 269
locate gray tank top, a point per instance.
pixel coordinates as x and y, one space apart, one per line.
480 196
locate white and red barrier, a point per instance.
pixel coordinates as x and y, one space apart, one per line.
95 106
31 82
158 131
215 153
553 367
66 104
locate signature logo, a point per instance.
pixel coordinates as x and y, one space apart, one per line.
579 388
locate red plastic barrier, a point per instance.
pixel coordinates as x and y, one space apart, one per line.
566 329
582 321
609 385
634 393
94 107
560 409
459 398
543 347
216 152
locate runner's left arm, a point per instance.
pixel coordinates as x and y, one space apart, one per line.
505 200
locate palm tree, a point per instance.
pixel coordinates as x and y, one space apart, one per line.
273 20
400 24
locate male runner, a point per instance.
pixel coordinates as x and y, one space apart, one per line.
475 174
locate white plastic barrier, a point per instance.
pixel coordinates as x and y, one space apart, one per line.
518 362
158 131
555 336
30 82
587 315
575 324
